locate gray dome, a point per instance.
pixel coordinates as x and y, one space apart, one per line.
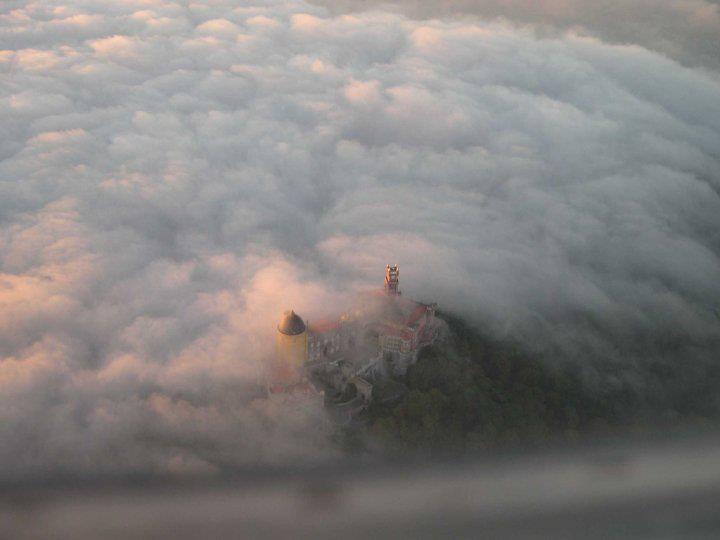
291 324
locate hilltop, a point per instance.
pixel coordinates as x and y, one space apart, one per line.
471 392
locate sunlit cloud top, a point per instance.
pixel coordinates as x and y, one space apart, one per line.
173 176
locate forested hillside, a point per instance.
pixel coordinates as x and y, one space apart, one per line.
473 392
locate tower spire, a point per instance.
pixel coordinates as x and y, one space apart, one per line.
391 280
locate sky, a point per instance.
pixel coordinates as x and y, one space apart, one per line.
174 175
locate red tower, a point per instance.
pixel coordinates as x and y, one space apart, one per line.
391 280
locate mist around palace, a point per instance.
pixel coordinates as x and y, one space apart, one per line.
176 176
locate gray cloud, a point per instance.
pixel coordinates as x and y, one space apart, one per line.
685 30
174 176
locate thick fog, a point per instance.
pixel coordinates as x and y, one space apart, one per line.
175 175
686 30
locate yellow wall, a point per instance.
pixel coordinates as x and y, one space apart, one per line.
292 350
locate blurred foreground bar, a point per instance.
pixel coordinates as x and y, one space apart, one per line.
650 491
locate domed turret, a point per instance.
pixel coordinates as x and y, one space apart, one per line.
291 324
291 347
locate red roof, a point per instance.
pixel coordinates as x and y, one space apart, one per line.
416 314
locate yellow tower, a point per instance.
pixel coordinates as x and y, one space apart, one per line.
291 345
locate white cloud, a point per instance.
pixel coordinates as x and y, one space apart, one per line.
221 28
262 21
169 185
686 30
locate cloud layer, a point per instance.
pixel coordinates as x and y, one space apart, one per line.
174 175
685 30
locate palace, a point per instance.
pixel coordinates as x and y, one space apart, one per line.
379 337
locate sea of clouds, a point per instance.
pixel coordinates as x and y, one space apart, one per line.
173 175
685 30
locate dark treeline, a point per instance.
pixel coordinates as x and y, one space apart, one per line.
474 392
